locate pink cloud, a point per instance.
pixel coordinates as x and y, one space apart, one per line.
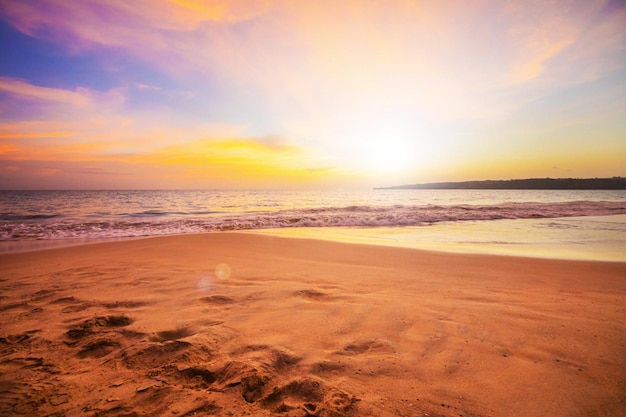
80 98
22 90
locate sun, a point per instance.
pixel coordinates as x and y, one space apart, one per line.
387 157
387 145
377 138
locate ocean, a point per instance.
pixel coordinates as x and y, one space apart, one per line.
548 223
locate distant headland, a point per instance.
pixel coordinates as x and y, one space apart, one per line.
614 183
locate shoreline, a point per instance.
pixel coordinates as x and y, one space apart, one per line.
501 237
28 246
311 234
254 324
389 237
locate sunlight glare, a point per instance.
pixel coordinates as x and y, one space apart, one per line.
387 146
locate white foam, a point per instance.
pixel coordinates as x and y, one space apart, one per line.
361 216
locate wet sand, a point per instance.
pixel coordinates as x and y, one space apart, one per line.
235 324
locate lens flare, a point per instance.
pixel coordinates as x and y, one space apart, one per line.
222 271
205 284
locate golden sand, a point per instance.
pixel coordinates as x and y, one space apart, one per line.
235 324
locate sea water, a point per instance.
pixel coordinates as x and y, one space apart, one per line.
549 223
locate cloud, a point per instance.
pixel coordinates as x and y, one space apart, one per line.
287 79
206 163
597 52
231 152
160 31
8 148
22 90
228 160
310 53
94 170
58 174
275 142
21 100
142 86
549 35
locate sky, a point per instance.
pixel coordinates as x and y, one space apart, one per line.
300 94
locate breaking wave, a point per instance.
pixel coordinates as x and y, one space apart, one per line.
154 222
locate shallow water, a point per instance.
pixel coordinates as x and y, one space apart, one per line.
561 224
601 238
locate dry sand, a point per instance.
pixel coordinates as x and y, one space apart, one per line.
307 328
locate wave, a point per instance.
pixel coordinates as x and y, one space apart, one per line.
22 217
147 213
162 213
154 222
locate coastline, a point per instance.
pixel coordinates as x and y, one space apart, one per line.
567 238
594 238
255 324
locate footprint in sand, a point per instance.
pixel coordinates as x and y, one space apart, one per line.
100 336
217 299
328 367
310 395
175 334
275 380
13 341
367 346
74 304
98 349
28 383
66 300
314 295
125 304
91 326
170 353
42 295
12 306
268 359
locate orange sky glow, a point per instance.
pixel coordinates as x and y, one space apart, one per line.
289 94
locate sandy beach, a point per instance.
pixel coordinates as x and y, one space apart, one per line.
236 324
